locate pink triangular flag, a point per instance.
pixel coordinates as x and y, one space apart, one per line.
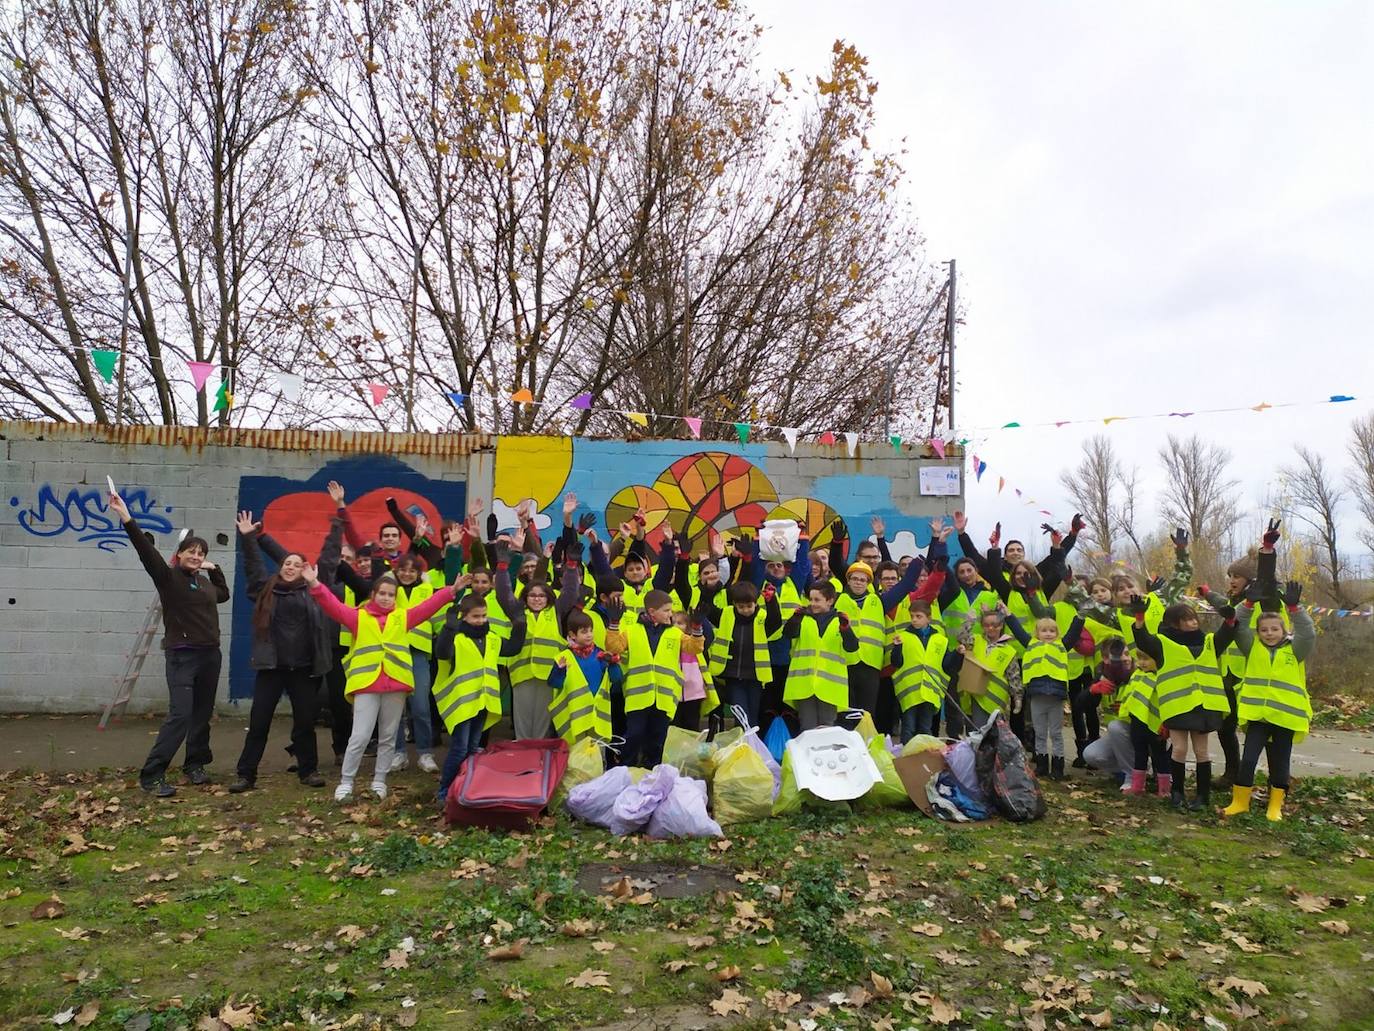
827 437
379 392
693 424
200 372
938 446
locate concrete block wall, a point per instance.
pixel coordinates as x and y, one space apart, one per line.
73 594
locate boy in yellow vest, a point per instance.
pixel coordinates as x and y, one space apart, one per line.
866 610
468 688
823 644
581 680
651 649
924 660
1272 704
739 658
992 648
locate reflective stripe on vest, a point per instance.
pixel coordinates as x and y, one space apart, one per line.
1275 690
1184 683
577 712
961 611
422 636
1064 615
1045 659
725 636
653 679
378 649
1138 700
819 666
921 676
468 683
351 600
869 623
1020 608
542 645
996 658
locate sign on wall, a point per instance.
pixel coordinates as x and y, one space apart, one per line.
941 481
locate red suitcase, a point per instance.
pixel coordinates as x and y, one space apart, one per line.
508 785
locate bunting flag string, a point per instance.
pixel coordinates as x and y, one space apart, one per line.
104 362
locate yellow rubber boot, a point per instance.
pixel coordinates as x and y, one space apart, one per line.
1275 811
1240 801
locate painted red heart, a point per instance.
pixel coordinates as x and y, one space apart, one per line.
300 521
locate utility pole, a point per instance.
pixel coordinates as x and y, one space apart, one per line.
410 358
949 337
124 326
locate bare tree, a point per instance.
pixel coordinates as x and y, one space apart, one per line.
1092 486
1197 492
1316 500
1362 475
1128 483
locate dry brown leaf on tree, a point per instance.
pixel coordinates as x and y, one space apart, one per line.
731 1002
515 950
590 978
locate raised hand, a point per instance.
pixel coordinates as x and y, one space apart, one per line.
422 527
1077 525
454 536
1180 539
1256 591
936 525
1291 593
1226 612
716 543
1136 606
585 522
615 612
1271 535
336 492
802 533
878 525
120 509
245 523
995 538
310 573
522 511
475 507
1155 585
960 522
946 534
592 538
462 582
548 549
569 505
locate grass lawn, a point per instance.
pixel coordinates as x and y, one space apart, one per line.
281 909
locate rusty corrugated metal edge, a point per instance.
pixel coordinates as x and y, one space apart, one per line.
431 445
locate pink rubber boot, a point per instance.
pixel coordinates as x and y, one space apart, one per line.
1136 785
1165 784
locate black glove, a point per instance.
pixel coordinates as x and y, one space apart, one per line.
615 612
940 562
585 522
1291 593
1077 526
1256 591
573 552
502 550
1180 539
837 530
492 527
1155 584
1271 534
1136 606
1227 612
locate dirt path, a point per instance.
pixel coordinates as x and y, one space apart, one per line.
62 743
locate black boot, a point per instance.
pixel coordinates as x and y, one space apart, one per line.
1204 788
1078 745
1230 751
1042 765
1176 796
1057 768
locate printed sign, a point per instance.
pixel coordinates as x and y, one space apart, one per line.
941 481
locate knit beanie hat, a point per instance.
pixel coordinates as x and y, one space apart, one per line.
1246 567
860 567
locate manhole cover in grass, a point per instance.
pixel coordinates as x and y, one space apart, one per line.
665 880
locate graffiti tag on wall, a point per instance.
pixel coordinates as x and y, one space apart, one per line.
87 514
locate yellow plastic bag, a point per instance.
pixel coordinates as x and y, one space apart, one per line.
687 751
889 791
923 743
743 788
866 728
718 747
584 764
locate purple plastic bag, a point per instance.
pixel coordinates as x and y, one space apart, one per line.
637 803
960 758
591 802
683 813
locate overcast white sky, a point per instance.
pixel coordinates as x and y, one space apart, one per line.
1154 207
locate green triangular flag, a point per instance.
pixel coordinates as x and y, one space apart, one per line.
896 442
105 363
742 428
1011 426
223 399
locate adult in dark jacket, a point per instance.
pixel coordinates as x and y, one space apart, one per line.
291 649
189 589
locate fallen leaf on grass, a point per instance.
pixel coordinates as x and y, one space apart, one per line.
589 979
87 1014
780 1002
929 930
49 909
396 959
1086 931
953 959
350 933
578 928
704 942
125 867
1336 926
515 993
1103 1019
882 987
942 1012
361 870
408 1016
727 973
1018 946
1250 988
515 950
75 934
64 1016
1310 903
677 966
603 946
238 1016
731 1002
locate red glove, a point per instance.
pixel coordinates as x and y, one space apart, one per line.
768 592
1203 590
844 621
1102 687
995 538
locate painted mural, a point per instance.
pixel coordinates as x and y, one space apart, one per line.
84 515
692 490
297 514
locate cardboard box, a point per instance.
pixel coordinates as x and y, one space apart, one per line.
915 772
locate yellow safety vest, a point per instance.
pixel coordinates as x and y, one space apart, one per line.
1045 659
1275 690
996 657
653 679
789 599
436 583
497 620
960 610
1018 607
1232 661
469 683
633 596
725 635
921 676
598 628
869 623
1184 683
819 665
542 645
1064 615
577 712
351 600
422 636
378 649
1138 700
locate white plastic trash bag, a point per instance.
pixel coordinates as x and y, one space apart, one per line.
637 802
591 802
683 813
833 763
778 540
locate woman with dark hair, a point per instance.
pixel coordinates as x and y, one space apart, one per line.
291 650
190 589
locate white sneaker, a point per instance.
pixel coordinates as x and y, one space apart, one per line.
379 789
343 792
427 763
399 763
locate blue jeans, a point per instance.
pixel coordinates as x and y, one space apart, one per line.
463 742
419 707
747 694
919 719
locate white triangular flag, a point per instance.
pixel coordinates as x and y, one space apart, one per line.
852 439
790 435
290 385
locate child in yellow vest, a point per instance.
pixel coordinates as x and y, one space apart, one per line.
581 680
739 655
651 650
924 661
1045 674
1272 703
531 694
823 643
993 650
380 675
468 688
413 588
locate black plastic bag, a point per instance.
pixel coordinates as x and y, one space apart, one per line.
1005 776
